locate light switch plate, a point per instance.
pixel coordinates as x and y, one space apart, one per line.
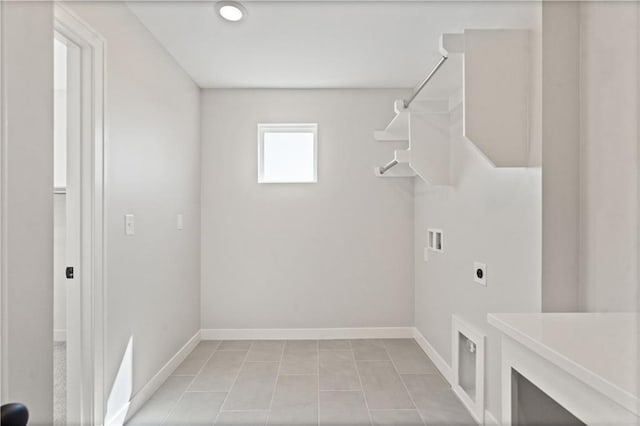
480 273
180 222
129 224
435 240
426 254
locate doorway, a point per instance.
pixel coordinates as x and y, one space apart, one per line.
78 222
59 237
67 244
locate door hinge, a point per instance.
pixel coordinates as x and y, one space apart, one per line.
69 272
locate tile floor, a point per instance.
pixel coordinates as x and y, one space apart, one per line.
59 383
326 382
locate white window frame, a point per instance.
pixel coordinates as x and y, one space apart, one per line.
287 128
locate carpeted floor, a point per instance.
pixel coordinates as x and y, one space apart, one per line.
59 383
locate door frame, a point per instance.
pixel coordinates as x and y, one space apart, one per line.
91 269
4 320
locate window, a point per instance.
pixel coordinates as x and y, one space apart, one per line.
287 153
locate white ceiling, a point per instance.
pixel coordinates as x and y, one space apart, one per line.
315 44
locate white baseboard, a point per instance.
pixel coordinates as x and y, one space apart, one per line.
308 333
59 335
435 357
447 373
119 418
143 395
467 402
490 419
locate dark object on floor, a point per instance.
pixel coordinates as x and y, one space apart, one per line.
14 415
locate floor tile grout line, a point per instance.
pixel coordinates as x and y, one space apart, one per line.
275 385
385 344
203 365
316 352
415 406
395 409
297 374
244 360
175 405
433 370
340 390
350 351
218 391
364 395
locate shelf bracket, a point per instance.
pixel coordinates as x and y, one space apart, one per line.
391 164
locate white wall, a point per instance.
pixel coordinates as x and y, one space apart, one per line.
591 170
333 254
489 215
153 172
27 228
609 155
561 156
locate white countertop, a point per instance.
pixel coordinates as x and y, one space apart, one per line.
600 349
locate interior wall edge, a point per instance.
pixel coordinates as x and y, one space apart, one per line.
638 182
3 230
27 73
561 154
609 156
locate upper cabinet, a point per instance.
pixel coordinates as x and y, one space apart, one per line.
496 92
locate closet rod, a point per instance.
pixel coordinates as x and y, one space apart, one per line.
418 89
390 165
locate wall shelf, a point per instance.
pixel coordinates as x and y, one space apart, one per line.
426 127
490 106
398 128
402 169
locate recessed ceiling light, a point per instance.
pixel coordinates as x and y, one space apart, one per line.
231 11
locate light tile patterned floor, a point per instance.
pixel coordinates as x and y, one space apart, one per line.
327 382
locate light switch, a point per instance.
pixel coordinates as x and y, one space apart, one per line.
434 240
426 254
180 222
129 224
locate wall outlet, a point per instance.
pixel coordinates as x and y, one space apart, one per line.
129 224
480 273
